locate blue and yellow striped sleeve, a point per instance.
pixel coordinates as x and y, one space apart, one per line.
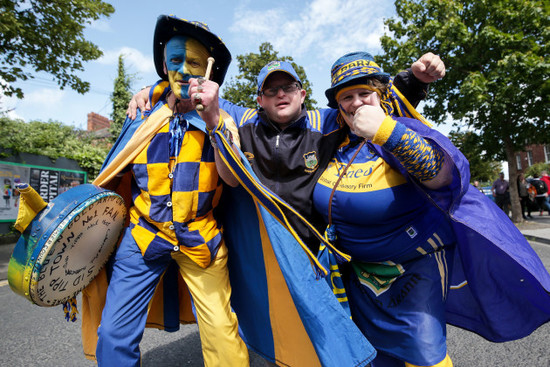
422 160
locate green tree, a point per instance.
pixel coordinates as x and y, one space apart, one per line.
481 167
496 52
242 90
47 35
120 97
54 140
537 168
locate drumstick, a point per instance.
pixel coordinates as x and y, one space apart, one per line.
210 61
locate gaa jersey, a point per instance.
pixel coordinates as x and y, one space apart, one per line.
174 197
378 215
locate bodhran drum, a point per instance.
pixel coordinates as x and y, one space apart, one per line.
66 245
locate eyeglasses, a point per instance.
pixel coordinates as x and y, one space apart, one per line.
287 89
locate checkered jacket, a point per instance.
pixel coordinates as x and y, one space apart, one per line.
174 198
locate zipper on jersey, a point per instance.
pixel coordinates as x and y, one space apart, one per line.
277 161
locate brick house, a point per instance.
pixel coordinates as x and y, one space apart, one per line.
532 154
97 122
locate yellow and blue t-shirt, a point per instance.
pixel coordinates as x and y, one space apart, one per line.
378 215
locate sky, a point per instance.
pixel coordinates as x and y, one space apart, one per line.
315 33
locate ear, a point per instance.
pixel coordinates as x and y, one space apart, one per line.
258 99
303 95
164 68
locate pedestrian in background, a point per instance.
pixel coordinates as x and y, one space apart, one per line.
542 193
524 196
501 193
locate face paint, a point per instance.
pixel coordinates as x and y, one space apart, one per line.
185 58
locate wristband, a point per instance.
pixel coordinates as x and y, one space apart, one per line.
221 128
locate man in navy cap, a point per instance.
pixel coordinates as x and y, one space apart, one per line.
168 165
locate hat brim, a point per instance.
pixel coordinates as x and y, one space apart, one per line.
295 77
170 26
358 79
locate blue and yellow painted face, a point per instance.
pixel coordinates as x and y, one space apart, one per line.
185 58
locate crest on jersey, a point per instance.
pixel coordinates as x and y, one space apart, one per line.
311 161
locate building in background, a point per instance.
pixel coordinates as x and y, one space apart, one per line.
533 154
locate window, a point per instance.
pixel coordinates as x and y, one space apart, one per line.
547 153
529 158
518 161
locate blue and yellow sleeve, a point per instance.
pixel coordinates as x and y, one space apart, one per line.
420 159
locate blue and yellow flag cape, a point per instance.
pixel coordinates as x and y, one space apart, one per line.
278 295
287 313
499 287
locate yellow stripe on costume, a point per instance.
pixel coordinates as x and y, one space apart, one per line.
251 112
409 110
458 286
335 273
314 119
291 343
442 266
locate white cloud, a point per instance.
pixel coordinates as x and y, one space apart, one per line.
134 60
13 115
258 22
323 29
8 105
45 98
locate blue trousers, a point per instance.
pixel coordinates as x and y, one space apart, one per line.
131 287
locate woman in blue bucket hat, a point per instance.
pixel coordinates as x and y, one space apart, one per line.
427 248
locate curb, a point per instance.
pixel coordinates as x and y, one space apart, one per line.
537 239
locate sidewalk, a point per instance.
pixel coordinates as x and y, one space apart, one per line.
536 229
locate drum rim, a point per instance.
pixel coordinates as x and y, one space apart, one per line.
51 240
40 232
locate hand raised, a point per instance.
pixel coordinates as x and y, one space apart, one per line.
428 68
205 93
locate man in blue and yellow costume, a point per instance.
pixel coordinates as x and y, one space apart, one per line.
168 170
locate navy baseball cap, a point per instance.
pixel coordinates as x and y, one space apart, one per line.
274 66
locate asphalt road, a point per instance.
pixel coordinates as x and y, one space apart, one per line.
36 336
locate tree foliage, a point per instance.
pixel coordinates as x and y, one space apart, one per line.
496 53
47 35
242 90
481 168
120 98
54 140
537 168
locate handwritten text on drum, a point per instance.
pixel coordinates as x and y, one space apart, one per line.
76 251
